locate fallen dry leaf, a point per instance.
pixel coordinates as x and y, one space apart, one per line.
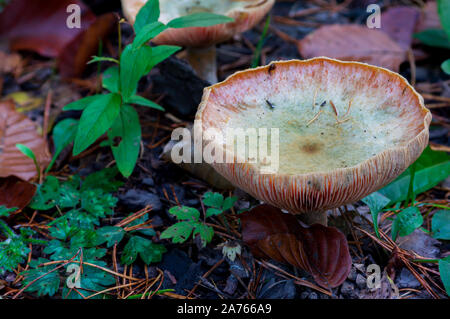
399 23
15 192
353 43
11 63
40 26
429 17
321 251
16 128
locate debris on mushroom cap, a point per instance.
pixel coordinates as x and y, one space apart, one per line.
246 13
369 126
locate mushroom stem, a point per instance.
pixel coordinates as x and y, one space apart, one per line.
314 217
203 61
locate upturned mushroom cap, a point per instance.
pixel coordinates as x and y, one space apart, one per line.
245 13
324 160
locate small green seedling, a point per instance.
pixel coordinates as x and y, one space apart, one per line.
113 113
189 219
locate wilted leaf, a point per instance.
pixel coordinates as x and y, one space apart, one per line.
15 192
16 128
399 23
321 251
353 43
42 27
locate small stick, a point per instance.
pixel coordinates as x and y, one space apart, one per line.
314 118
334 108
349 106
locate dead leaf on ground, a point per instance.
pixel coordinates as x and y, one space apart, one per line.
16 128
321 251
15 192
429 18
399 23
41 26
353 43
11 63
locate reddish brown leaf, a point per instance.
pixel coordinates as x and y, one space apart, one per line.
353 43
41 26
399 23
16 128
319 250
15 192
429 17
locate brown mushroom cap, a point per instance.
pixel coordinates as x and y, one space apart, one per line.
328 161
245 13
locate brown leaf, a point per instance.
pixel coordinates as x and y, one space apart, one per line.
11 63
353 43
15 192
399 23
429 17
16 128
41 26
321 251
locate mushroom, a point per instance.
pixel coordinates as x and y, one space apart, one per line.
346 129
200 41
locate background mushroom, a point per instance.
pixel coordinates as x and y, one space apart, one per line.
346 130
200 41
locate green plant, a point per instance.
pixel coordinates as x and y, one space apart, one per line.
257 53
190 222
79 205
113 113
439 37
30 154
430 168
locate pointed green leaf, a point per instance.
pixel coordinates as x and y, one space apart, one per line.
81 104
133 65
63 134
96 119
149 13
201 19
408 220
376 202
136 99
159 54
110 79
128 129
147 33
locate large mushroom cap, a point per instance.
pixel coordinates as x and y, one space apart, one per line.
324 160
245 13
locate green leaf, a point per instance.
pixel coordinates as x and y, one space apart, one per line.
185 212
5 211
440 224
376 202
229 202
128 129
408 220
63 134
201 19
147 250
102 59
257 53
96 119
149 13
104 180
434 38
28 153
13 251
47 285
110 235
133 65
444 270
206 233
179 232
110 79
136 99
147 33
92 280
213 212
46 194
213 199
446 66
443 7
81 104
159 54
432 168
